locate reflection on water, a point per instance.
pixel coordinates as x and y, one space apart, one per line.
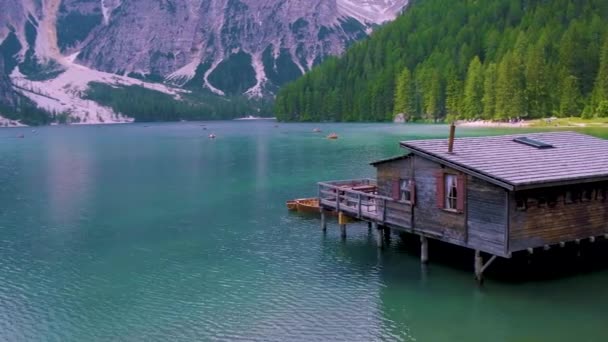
159 233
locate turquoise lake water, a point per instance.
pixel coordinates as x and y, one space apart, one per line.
156 233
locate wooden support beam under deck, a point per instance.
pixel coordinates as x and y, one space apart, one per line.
379 235
424 249
323 220
480 267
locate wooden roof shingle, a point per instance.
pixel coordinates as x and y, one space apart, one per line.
575 158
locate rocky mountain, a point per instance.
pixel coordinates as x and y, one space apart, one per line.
227 47
7 94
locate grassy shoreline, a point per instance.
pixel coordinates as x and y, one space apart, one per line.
541 123
570 122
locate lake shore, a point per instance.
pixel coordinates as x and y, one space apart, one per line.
538 123
490 123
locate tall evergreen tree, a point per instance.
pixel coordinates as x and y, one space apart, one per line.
473 90
600 90
432 97
489 91
454 91
510 92
570 99
404 94
537 83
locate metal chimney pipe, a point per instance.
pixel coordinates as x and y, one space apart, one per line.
451 141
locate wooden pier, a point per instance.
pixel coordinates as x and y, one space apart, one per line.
494 195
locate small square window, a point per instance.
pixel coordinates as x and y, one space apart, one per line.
552 200
603 194
587 195
451 192
521 203
569 197
532 202
542 201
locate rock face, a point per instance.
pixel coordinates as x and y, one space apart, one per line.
227 46
8 98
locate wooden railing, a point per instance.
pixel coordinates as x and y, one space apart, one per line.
360 199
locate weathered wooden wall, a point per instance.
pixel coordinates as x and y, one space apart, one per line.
428 216
486 216
541 225
397 214
481 226
390 172
491 221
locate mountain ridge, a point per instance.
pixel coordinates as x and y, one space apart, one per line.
224 47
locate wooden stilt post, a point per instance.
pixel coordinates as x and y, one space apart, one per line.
387 234
342 220
424 250
369 226
323 220
478 267
379 237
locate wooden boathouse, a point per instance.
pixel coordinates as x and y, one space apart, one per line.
496 195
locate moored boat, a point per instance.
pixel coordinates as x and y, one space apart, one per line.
332 136
304 205
292 205
308 205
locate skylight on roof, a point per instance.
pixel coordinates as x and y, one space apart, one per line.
532 142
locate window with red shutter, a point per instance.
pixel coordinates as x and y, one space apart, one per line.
405 187
396 191
440 189
413 192
451 191
461 192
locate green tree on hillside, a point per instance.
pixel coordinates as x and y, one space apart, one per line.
489 91
600 90
454 92
473 90
510 96
534 59
404 94
570 99
537 87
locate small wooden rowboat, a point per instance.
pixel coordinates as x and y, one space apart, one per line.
332 136
304 205
292 205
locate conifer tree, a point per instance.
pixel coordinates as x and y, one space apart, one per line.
404 94
473 90
570 99
503 88
536 83
489 92
453 96
432 97
600 91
